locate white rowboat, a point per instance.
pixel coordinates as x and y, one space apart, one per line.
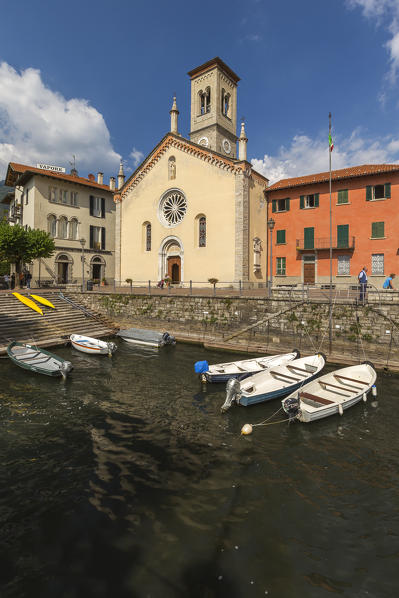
330 394
94 346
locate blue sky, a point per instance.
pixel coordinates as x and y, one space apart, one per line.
96 79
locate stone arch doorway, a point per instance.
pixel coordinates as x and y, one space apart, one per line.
171 259
97 265
64 268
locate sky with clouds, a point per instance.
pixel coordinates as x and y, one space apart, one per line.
95 80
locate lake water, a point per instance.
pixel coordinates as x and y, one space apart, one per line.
127 481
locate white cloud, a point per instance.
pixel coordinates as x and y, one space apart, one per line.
136 156
307 156
40 125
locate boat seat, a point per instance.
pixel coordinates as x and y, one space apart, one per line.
351 379
316 399
285 376
295 367
29 356
347 387
261 365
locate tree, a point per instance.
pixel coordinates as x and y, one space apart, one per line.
19 246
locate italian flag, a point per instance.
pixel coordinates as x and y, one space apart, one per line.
330 142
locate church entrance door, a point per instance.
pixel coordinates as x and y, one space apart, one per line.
174 268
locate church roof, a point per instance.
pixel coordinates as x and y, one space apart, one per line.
203 153
336 175
210 64
15 171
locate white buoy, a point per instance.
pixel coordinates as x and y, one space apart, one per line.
203 378
246 429
374 390
365 397
340 409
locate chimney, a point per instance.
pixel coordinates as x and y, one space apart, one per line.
91 177
100 178
112 183
121 176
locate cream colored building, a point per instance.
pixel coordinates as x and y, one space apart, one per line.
193 210
79 213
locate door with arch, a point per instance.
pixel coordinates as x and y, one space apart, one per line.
174 269
63 269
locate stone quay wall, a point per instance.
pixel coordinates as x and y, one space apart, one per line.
358 333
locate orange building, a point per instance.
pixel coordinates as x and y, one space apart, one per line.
365 225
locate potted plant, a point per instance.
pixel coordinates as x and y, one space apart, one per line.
167 280
103 282
213 281
129 281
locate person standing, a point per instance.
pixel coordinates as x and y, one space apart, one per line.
363 284
7 280
388 282
13 280
28 278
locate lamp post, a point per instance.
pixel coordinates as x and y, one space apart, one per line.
83 243
270 224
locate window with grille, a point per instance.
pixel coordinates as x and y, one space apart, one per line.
343 265
280 265
202 231
377 230
148 237
377 263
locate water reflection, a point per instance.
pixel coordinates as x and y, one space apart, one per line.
127 481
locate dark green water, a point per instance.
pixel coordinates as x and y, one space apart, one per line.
128 482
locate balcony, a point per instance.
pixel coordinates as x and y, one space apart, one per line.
323 244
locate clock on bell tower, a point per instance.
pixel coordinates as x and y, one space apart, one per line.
214 107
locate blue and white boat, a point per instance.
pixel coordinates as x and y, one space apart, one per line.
274 383
222 372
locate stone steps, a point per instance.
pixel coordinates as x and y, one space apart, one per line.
19 322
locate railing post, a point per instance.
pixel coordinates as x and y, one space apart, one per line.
149 287
191 288
114 285
240 288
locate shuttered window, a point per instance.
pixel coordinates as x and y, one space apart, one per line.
281 205
280 266
377 230
309 201
308 234
280 239
343 235
382 191
343 196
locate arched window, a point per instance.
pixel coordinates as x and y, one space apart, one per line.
73 228
52 225
148 237
62 227
225 103
172 168
205 101
202 232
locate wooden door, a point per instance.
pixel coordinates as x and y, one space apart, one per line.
309 275
174 268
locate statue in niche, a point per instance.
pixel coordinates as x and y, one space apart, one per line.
257 248
172 169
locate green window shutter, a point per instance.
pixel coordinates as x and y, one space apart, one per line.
369 193
280 236
274 205
316 200
343 196
343 235
302 202
308 234
388 190
287 204
377 230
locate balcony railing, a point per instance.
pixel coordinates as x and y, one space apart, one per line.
323 243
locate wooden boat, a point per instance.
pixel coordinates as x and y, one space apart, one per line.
273 383
38 360
150 338
221 372
94 346
43 300
330 394
28 302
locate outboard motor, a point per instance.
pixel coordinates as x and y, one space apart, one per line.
233 393
291 407
111 348
65 368
168 339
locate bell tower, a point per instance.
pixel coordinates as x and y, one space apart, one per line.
214 107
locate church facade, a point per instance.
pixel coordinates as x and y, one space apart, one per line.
194 209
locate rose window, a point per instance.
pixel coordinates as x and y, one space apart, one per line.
173 208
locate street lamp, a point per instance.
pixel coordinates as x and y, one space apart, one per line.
270 225
83 243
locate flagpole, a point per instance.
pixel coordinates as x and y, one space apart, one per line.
330 307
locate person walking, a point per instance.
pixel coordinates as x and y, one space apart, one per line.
13 280
388 282
7 280
28 278
363 284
